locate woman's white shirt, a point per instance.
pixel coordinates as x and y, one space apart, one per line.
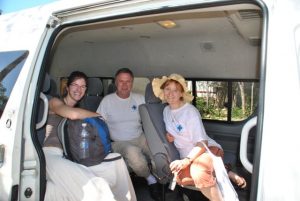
185 125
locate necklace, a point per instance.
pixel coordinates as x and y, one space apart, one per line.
178 127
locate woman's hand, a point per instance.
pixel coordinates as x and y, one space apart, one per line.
169 137
178 165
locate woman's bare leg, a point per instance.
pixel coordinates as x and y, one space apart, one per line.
212 193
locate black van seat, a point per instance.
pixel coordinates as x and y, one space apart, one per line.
111 88
162 151
93 96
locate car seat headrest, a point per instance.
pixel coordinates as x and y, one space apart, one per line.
53 88
46 84
149 95
111 88
95 87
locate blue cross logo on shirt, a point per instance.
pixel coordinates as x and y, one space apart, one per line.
133 107
179 127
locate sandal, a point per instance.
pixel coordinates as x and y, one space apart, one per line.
238 180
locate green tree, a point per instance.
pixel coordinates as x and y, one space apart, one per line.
3 98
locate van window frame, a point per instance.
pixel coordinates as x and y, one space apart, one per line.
229 102
13 62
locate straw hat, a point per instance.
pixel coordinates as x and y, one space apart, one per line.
158 91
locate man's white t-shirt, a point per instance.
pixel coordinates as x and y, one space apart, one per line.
185 124
122 116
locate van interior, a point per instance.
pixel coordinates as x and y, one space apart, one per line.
217 48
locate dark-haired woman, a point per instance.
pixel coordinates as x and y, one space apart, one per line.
67 180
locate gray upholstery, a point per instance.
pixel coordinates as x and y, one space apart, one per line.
111 88
162 151
53 89
93 95
150 98
46 84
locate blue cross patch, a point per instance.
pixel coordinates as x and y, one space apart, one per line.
179 127
133 107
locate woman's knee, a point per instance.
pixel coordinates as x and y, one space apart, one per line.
201 171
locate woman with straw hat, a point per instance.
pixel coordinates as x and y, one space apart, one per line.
185 128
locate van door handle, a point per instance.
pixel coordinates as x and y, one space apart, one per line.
2 151
45 112
244 143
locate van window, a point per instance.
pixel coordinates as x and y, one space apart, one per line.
225 100
139 85
11 64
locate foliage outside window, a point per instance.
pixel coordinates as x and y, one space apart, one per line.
225 100
11 64
244 100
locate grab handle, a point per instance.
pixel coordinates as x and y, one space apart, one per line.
244 143
45 112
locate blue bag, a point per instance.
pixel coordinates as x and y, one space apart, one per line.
103 132
69 132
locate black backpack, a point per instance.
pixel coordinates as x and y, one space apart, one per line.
69 132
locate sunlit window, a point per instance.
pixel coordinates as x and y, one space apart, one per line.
227 100
11 64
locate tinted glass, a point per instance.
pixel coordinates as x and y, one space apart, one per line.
11 64
225 100
211 98
244 100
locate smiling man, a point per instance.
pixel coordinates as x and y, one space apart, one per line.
120 110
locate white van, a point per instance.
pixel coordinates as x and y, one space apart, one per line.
241 58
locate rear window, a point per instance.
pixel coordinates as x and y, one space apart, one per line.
11 64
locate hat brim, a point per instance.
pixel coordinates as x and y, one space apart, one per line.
158 82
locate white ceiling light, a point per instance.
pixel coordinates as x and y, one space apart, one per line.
167 24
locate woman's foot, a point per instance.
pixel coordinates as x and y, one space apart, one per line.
238 180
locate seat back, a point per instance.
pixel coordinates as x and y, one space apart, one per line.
111 88
93 95
43 109
162 151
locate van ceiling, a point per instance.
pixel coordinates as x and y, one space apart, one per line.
214 44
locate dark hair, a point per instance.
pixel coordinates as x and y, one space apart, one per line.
124 70
75 75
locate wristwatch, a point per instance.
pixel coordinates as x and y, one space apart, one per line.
190 160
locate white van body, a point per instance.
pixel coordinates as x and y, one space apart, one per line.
276 167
